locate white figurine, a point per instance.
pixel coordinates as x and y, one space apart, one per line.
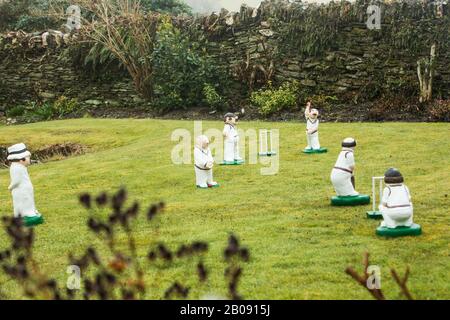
204 163
396 206
312 127
21 187
342 173
231 140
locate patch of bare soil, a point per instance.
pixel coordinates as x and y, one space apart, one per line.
52 152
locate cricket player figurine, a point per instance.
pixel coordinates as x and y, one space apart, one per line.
231 141
312 130
204 163
342 177
21 187
396 207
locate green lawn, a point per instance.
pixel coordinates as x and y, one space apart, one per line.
299 244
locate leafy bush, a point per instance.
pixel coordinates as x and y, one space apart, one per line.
43 112
212 98
180 69
34 111
270 101
64 106
169 100
15 112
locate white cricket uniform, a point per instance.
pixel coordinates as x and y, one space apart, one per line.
341 174
396 207
231 143
22 191
312 138
203 174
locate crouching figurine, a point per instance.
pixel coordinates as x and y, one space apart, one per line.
343 179
231 141
204 163
21 187
312 130
396 207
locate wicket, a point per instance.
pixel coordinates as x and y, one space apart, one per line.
375 214
265 136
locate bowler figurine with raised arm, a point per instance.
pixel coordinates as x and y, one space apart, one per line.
312 130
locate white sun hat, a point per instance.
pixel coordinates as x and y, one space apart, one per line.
18 151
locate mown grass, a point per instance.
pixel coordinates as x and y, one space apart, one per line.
299 244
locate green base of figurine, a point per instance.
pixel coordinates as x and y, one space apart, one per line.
232 163
375 215
358 200
33 221
311 151
267 154
414 230
214 186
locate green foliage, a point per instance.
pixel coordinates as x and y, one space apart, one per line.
213 99
15 112
98 56
64 106
174 7
43 111
180 68
270 100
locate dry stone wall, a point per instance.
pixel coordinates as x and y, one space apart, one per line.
352 61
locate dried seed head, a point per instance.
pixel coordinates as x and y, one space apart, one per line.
119 199
5 255
110 278
165 253
182 251
92 254
127 294
85 200
244 254
93 225
152 211
89 287
199 246
118 264
21 260
151 256
114 217
202 272
133 210
233 241
51 284
70 293
101 199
